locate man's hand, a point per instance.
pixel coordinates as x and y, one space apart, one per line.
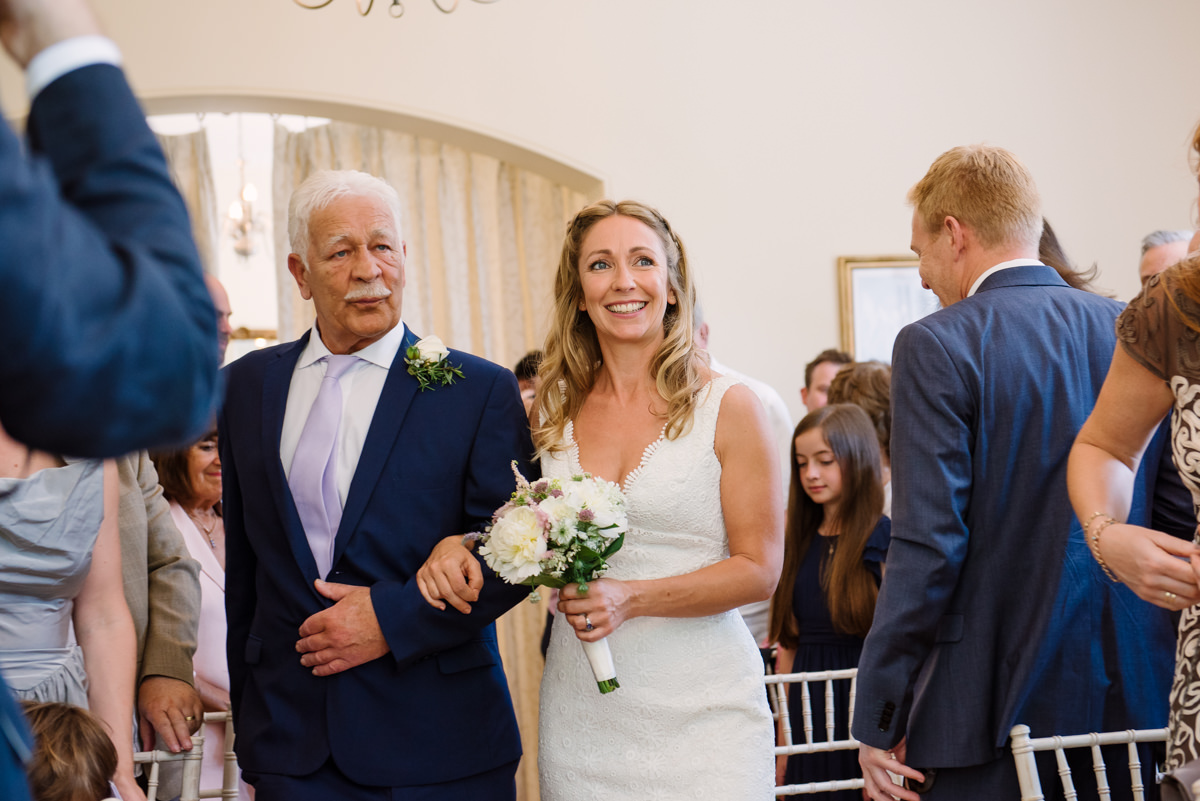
172 709
27 27
452 573
345 635
876 765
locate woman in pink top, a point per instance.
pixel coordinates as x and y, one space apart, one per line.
191 481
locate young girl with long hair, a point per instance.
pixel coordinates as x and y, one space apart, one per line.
836 541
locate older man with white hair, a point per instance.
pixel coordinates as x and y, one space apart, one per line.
1161 249
347 455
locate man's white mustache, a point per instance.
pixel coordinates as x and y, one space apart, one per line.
375 289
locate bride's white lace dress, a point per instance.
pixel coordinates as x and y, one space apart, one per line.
690 720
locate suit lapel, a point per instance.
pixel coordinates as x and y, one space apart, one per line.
399 390
277 380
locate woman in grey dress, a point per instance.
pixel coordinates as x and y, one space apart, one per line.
65 631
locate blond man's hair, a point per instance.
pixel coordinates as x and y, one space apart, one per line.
985 188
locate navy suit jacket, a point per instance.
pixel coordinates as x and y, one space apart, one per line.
435 464
992 610
110 334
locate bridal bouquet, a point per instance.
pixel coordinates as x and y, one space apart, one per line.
556 532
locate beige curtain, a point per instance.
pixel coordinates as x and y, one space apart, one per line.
483 241
191 169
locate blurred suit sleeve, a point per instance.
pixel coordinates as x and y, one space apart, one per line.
109 332
162 585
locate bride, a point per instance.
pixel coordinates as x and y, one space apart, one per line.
626 396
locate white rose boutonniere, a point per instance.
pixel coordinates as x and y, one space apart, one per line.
427 363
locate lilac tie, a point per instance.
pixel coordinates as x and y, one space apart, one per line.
314 468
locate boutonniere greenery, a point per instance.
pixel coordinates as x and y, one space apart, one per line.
427 362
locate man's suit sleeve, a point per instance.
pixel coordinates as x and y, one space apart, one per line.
110 333
240 595
931 456
174 586
411 626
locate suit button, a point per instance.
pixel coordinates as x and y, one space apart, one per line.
885 715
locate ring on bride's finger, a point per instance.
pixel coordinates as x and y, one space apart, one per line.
587 623
1170 595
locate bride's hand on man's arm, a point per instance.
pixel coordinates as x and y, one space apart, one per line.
450 575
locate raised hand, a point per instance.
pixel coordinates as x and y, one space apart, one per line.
27 27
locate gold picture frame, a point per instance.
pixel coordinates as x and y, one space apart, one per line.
879 295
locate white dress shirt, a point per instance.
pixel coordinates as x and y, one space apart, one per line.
1004 265
70 54
361 386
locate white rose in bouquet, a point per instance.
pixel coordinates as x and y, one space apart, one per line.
556 532
516 545
602 498
563 518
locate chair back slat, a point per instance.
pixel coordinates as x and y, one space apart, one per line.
190 788
230 774
1024 747
776 684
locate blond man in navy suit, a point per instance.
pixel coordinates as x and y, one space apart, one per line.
992 611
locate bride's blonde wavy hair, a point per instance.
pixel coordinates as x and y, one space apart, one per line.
572 355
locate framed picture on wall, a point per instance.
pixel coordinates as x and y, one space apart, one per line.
879 296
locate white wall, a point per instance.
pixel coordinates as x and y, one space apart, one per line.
775 135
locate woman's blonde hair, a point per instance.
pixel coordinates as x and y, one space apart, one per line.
572 351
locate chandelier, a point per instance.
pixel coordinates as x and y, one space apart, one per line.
396 9
241 224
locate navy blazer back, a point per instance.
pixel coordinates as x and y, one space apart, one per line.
992 610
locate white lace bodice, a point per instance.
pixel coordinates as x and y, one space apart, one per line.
675 519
